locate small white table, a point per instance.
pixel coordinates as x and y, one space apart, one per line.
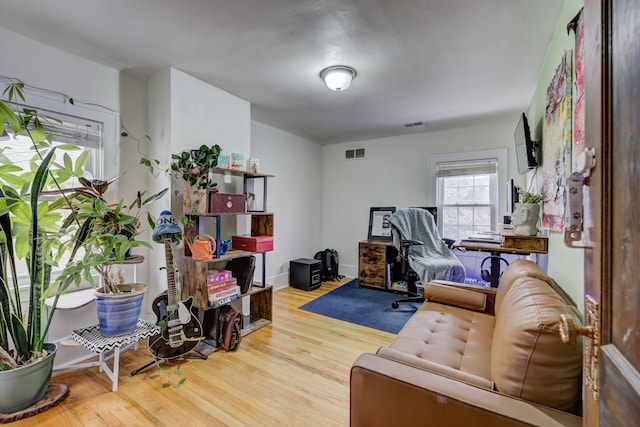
93 340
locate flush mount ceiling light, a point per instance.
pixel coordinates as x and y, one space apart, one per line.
338 77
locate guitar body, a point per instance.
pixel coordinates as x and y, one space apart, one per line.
181 330
159 345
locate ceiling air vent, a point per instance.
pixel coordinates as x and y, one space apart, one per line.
414 124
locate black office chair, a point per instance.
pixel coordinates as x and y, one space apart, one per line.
407 274
420 248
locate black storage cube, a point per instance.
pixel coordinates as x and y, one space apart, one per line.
304 274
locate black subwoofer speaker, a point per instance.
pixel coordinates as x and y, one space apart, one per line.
304 274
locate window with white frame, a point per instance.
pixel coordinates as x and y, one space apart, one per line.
91 129
467 192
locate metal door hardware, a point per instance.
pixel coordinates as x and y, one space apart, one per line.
569 333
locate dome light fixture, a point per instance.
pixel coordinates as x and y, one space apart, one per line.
338 77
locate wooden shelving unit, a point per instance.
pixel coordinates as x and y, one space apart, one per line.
195 272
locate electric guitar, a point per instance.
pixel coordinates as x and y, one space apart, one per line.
181 330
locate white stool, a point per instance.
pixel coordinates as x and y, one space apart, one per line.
93 340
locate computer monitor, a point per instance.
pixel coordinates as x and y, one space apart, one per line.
512 197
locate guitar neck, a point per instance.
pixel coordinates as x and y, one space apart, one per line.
171 273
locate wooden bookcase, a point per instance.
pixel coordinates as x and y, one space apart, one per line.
195 272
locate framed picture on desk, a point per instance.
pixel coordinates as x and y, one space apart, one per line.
379 227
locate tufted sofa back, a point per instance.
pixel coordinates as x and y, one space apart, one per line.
528 359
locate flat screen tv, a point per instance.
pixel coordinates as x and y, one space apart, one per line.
526 148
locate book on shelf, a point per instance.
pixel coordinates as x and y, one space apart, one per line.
217 276
224 297
221 286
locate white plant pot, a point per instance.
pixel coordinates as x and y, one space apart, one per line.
525 219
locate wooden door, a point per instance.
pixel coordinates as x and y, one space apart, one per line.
612 265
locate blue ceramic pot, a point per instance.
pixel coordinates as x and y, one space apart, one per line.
118 314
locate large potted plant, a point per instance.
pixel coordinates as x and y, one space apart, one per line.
34 242
194 167
108 232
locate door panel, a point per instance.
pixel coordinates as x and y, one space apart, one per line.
612 267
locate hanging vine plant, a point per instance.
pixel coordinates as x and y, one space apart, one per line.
194 166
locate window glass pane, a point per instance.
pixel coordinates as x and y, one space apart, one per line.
19 151
482 195
465 216
466 198
480 180
482 216
466 181
450 182
450 195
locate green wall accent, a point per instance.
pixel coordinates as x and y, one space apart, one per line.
565 265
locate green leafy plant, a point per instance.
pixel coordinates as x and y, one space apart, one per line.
530 198
109 229
48 213
32 232
194 166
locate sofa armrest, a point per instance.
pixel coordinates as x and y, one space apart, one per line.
385 392
489 292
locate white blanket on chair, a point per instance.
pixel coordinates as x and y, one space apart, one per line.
433 260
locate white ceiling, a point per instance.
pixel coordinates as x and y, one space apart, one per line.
437 61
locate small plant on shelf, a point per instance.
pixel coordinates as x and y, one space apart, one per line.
194 166
109 229
530 198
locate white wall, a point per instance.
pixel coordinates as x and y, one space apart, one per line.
394 173
294 196
42 66
185 113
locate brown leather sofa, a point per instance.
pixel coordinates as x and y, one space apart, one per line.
475 356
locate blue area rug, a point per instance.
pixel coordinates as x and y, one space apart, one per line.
363 306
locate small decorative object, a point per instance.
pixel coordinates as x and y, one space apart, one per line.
223 160
379 227
237 161
526 214
254 165
224 246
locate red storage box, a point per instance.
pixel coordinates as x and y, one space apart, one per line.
252 243
227 203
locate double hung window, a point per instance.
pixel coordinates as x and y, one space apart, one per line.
467 193
91 130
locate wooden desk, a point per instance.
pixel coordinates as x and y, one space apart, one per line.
518 245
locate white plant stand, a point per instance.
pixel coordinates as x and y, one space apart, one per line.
93 340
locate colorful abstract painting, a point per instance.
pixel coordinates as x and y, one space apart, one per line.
578 112
556 147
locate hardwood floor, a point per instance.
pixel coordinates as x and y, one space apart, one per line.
294 372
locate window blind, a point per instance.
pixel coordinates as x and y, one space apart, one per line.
75 130
479 167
